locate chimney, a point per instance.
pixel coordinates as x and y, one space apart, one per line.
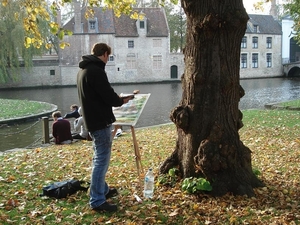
77 17
58 17
273 9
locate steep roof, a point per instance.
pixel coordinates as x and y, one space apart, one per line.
266 24
155 20
105 21
123 26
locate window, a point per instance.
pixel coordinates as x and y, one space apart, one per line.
269 60
255 28
131 61
52 72
92 25
142 24
157 61
244 60
130 44
269 42
255 42
244 42
157 43
111 58
254 60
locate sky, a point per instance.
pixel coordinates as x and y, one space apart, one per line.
248 4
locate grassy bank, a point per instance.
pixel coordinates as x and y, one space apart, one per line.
19 108
273 137
294 103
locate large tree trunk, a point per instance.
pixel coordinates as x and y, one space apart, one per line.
208 117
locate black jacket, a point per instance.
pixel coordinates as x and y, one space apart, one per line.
73 114
96 95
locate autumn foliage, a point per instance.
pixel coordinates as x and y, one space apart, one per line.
273 137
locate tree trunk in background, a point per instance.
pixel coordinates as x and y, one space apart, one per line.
208 118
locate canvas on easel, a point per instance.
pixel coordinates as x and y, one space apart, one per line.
127 115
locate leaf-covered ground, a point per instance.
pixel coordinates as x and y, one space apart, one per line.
273 137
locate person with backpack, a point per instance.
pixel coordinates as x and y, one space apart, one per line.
97 97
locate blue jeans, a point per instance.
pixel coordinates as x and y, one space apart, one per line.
102 142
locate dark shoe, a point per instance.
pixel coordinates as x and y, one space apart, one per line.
112 192
106 207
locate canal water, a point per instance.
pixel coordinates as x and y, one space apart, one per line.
164 97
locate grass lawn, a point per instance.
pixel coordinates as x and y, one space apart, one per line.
10 108
272 136
294 103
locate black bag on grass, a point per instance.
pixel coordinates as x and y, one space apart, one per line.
62 189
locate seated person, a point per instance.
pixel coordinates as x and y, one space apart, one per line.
79 126
61 129
74 112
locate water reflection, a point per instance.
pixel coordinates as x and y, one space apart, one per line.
164 97
259 92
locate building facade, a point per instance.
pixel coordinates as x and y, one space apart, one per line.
290 47
140 48
261 48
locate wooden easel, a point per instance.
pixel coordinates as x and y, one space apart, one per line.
122 119
138 161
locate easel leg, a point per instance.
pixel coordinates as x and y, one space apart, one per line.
137 156
115 130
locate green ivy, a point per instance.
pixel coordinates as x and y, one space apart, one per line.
170 178
191 185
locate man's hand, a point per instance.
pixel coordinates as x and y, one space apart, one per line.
127 99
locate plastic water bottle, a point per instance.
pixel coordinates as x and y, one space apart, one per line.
149 184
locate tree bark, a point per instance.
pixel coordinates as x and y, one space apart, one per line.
208 117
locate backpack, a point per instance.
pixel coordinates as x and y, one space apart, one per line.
62 189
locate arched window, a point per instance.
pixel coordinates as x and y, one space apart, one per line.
174 72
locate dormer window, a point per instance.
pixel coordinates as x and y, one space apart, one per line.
92 25
255 28
142 24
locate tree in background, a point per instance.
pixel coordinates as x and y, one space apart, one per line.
13 52
293 9
207 118
177 25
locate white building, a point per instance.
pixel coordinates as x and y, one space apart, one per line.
290 48
261 48
140 48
